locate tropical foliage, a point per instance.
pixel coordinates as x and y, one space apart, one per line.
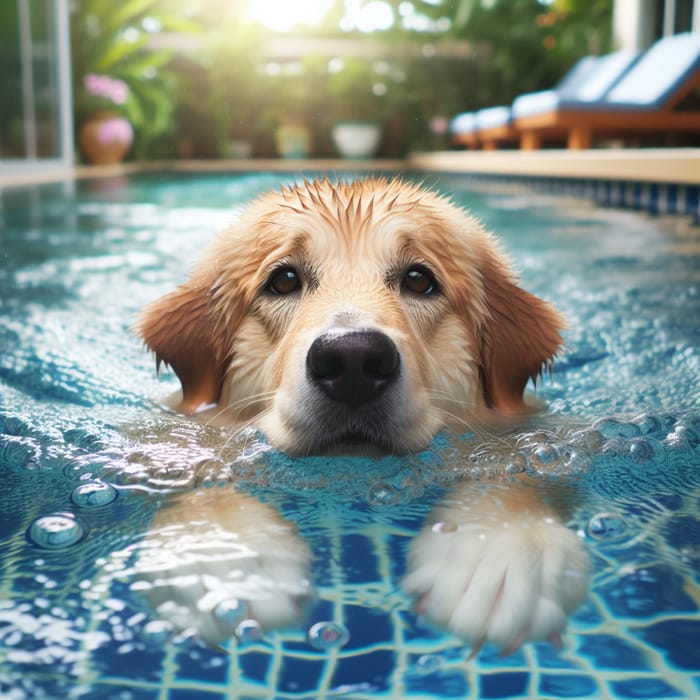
114 42
231 84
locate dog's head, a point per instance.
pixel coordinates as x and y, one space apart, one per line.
338 315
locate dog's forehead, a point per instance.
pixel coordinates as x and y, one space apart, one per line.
372 219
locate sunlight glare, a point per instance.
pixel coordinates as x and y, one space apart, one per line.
286 15
374 16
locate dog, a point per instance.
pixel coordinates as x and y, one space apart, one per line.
360 318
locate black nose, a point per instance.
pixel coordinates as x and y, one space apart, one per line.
353 367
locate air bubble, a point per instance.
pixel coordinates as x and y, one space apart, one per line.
677 441
575 461
444 527
606 526
383 494
689 430
328 635
591 441
55 531
649 424
645 450
249 632
94 494
428 663
517 463
545 458
612 428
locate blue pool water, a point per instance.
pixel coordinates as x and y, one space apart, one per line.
86 455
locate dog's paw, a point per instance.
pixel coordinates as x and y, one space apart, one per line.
214 565
515 579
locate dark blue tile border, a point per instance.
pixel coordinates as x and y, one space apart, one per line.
654 198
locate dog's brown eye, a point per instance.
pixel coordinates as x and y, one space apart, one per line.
419 281
284 281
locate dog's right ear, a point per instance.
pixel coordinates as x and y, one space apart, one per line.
180 329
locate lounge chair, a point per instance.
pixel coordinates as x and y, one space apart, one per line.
494 125
586 82
463 130
649 97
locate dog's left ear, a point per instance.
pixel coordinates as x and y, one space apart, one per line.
519 339
180 329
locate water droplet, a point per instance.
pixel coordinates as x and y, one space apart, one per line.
612 427
93 494
229 613
249 632
606 526
444 527
383 494
55 531
328 635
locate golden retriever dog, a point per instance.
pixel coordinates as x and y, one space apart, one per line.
359 318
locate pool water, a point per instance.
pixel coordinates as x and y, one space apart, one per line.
87 455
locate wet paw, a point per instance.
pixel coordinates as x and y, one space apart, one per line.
216 567
505 583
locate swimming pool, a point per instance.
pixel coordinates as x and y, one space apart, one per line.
84 441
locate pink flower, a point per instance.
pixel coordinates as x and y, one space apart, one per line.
439 125
112 89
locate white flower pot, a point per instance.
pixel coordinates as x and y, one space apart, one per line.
357 139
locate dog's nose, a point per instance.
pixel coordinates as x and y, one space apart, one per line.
353 367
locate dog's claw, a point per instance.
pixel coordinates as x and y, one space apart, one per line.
476 649
515 644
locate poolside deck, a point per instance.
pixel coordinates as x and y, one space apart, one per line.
663 166
668 166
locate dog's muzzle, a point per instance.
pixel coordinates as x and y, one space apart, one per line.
353 367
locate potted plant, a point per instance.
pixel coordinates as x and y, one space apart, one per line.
105 134
357 95
116 69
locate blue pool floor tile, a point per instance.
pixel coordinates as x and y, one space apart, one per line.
504 685
644 688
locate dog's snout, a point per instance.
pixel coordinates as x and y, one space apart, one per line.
353 367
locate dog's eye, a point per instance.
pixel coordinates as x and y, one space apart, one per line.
419 281
284 281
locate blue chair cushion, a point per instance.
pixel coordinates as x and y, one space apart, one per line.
592 80
464 123
658 75
492 117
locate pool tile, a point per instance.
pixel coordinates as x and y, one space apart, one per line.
645 688
195 694
442 684
645 592
568 685
678 640
608 651
504 685
373 670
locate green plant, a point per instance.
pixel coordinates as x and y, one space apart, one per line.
113 42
